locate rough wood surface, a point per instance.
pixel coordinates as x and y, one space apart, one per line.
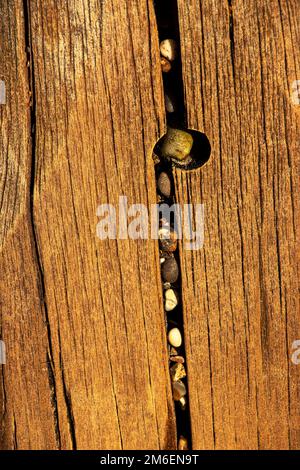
97 108
241 293
26 418
82 319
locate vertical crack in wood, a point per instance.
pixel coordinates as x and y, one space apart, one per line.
15 440
3 410
169 8
52 385
231 35
31 82
68 401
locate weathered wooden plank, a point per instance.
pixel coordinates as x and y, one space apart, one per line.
82 318
98 114
27 416
241 292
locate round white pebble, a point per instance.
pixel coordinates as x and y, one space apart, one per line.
168 49
164 233
171 300
175 338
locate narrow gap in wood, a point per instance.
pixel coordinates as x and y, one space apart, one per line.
231 35
3 398
68 402
169 36
31 81
15 440
168 29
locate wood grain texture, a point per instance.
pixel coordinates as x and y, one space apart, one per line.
241 292
98 112
96 98
82 319
26 415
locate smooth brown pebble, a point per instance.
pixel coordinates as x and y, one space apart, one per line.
155 158
183 443
169 244
179 390
170 271
165 65
177 358
164 184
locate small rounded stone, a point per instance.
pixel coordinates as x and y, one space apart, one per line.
173 351
164 223
164 233
177 372
168 49
177 144
165 65
164 184
175 338
182 403
176 358
155 158
170 103
179 390
183 443
171 300
169 244
170 271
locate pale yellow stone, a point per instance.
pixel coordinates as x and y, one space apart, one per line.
171 300
177 144
168 49
182 403
183 443
175 338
